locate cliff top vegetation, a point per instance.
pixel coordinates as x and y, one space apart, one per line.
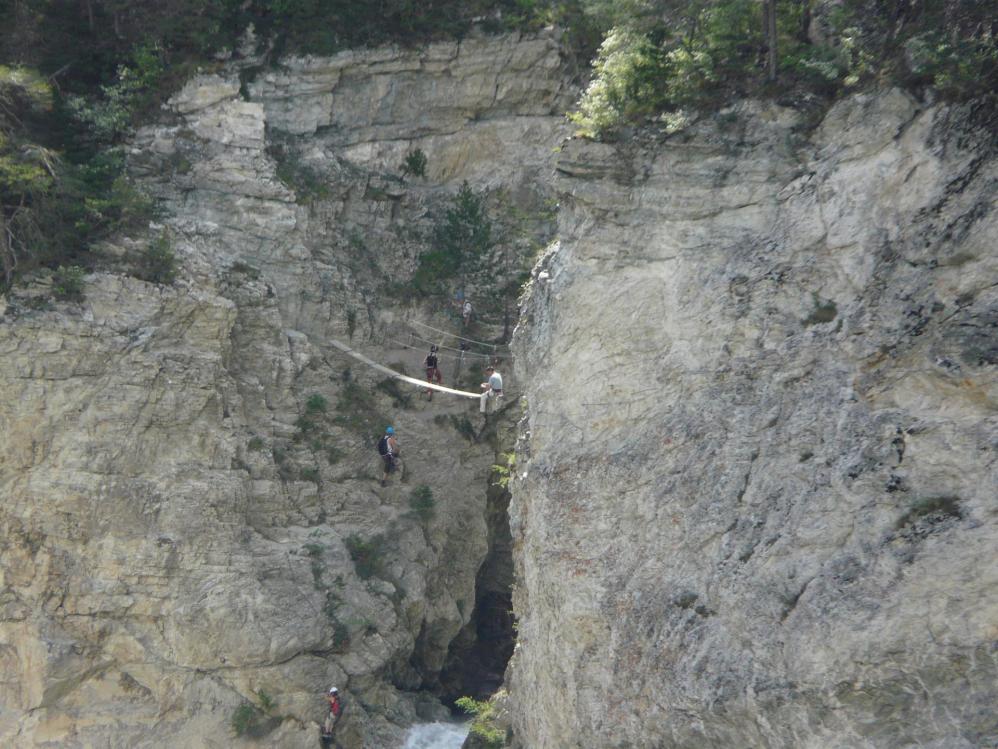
77 75
661 56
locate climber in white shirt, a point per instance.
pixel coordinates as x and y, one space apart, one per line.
491 390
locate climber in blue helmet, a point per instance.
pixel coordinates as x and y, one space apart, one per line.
388 449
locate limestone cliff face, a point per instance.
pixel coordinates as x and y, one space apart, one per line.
188 472
757 504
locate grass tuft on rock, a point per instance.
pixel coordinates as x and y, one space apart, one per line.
367 555
421 502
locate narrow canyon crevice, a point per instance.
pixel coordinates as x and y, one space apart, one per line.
478 656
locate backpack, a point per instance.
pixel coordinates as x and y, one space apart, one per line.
383 445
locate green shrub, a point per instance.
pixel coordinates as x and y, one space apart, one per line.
357 242
255 444
421 502
314 550
309 474
356 411
122 207
38 303
367 555
341 637
305 427
351 321
245 269
249 720
391 387
67 283
307 183
825 310
658 56
504 470
820 68
462 239
266 701
936 508
682 57
158 264
316 403
245 720
415 163
285 468
955 66
341 633
625 77
464 427
483 726
109 116
54 204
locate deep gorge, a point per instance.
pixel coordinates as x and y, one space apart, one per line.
753 401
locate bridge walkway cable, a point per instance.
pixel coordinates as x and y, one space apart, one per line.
460 359
397 375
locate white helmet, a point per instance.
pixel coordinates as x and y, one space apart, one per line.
334 690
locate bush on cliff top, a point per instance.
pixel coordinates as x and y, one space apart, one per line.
662 55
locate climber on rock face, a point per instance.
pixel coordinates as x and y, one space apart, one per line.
432 369
491 390
388 449
335 708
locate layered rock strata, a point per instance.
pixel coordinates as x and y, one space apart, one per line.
756 503
191 518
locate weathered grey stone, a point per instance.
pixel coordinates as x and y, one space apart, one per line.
172 543
757 482
391 94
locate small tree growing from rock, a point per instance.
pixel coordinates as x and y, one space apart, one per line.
414 164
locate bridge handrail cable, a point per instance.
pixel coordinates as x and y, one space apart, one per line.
493 346
397 375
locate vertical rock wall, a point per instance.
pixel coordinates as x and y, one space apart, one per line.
757 494
180 514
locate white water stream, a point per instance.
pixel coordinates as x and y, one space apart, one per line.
436 736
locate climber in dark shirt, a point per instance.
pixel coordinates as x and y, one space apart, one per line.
432 370
388 449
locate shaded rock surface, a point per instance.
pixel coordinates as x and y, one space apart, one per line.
191 518
756 503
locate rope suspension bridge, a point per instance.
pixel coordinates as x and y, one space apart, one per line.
398 375
459 356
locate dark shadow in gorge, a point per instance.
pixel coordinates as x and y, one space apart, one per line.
478 655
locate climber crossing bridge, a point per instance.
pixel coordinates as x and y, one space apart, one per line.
397 375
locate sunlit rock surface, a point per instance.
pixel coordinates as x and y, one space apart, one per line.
173 538
757 504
